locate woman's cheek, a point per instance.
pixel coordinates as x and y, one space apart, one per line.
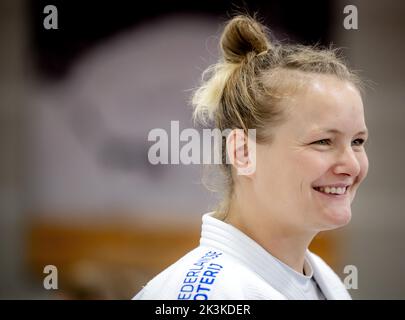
315 163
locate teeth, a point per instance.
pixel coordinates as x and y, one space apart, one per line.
332 190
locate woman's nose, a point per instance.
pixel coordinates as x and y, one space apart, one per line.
347 163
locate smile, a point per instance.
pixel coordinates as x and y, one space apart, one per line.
332 191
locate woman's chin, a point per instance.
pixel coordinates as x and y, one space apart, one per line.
336 218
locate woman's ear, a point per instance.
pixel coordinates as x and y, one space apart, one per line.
241 151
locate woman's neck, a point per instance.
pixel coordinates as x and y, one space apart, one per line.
284 242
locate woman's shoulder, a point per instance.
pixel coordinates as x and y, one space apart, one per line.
206 273
194 276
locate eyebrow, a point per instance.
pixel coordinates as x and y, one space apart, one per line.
365 132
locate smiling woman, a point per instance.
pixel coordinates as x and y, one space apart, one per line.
307 110
333 162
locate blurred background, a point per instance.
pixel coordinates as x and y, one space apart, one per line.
77 103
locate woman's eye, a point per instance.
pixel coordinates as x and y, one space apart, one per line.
323 142
358 142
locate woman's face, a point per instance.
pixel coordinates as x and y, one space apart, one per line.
309 174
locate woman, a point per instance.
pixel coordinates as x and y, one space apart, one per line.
307 110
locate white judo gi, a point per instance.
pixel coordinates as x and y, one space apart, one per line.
228 265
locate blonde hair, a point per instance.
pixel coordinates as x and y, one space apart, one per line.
244 89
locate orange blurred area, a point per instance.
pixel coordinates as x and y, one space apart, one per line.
108 259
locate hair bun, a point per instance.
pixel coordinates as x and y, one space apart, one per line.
243 35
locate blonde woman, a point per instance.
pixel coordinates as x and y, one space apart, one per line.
306 107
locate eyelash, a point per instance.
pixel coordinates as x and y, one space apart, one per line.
362 141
